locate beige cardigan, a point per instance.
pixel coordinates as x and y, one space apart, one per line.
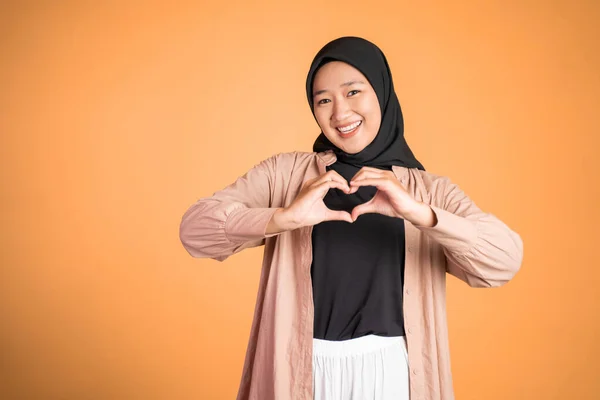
466 242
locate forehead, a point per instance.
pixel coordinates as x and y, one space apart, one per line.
335 73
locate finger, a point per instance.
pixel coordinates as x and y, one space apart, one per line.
380 183
367 173
358 174
365 208
324 187
336 174
310 182
379 171
339 216
331 176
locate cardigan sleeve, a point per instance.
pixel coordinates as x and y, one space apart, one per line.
480 249
232 219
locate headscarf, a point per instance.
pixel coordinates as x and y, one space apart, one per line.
389 146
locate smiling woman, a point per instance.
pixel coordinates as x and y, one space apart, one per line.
358 241
345 105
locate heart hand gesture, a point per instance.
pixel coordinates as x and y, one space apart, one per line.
391 199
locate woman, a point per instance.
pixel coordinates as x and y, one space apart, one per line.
358 239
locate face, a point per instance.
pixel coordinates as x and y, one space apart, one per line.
345 106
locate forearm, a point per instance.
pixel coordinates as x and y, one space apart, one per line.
215 229
421 216
481 249
280 222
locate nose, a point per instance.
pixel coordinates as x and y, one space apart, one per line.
341 110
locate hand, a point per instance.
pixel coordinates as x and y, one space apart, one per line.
391 198
308 208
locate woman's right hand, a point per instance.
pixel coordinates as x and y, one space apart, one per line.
308 208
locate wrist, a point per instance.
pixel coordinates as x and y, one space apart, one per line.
421 215
280 222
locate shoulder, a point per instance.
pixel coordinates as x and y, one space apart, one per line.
294 161
433 183
286 166
435 187
294 157
442 191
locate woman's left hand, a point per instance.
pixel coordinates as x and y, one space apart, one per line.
391 198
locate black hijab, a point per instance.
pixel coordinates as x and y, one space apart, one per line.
389 146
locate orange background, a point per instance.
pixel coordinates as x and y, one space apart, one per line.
115 118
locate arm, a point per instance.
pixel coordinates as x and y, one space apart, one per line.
234 218
480 249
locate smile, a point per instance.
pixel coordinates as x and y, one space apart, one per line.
348 129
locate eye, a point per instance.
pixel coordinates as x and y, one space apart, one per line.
323 101
353 92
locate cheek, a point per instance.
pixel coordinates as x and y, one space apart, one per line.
376 119
373 114
322 119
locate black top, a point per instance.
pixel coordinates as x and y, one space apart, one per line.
358 268
357 280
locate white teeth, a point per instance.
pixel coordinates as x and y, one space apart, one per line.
349 128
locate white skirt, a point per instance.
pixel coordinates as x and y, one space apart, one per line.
366 368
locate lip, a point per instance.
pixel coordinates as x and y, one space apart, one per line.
351 134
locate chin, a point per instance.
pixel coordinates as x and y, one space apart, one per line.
352 151
346 145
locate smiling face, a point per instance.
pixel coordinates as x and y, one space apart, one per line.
345 106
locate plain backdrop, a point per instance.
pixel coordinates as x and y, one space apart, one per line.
116 116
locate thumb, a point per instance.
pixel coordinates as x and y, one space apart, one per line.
361 209
339 216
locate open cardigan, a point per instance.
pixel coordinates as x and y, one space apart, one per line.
466 242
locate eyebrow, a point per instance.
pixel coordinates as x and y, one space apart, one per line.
349 83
